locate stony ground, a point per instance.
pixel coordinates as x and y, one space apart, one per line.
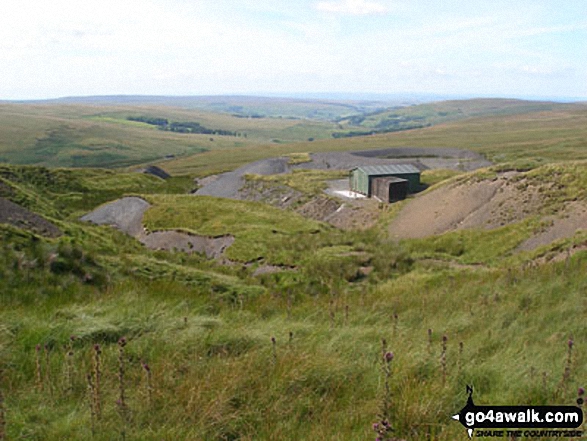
126 214
487 204
573 218
229 185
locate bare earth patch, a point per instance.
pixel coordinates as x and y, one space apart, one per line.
14 214
443 209
573 218
212 247
358 214
126 214
486 204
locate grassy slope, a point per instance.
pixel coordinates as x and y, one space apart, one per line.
260 231
74 135
214 372
205 331
445 111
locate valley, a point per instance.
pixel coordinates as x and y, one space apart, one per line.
244 299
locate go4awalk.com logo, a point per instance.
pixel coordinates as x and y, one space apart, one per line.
517 421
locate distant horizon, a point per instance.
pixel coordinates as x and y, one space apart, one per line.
414 97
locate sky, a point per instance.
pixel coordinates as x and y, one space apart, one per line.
522 48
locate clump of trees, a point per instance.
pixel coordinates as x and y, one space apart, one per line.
181 127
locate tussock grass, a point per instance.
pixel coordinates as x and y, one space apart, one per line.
213 375
299 158
206 331
260 231
309 182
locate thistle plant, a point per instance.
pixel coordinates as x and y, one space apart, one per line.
443 358
274 349
47 380
332 313
121 402
429 341
289 303
149 381
568 364
383 427
92 402
38 372
2 412
580 403
461 347
69 365
97 381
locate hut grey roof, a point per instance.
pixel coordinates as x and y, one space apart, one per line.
391 179
389 169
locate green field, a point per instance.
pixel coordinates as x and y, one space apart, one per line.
539 137
218 350
86 136
83 135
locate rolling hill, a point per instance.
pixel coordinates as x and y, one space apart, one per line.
283 331
100 133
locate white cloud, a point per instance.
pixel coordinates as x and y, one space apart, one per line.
352 7
67 47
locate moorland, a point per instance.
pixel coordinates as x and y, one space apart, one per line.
286 330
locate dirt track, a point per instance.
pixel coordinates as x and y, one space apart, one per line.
228 185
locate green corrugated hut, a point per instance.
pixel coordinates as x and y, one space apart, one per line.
361 178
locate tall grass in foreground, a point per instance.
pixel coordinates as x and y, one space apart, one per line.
218 375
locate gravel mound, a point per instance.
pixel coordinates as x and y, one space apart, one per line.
126 214
442 210
228 185
487 204
14 214
573 218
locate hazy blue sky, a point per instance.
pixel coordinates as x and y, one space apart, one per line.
194 47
